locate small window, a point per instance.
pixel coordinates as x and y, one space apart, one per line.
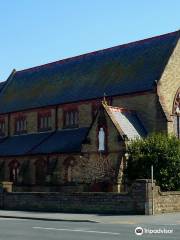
2 127
20 125
44 121
71 119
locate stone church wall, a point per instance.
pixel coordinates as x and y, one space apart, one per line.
169 84
146 105
148 110
88 170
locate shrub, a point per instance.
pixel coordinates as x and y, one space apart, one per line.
161 151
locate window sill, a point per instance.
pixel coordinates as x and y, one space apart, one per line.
69 127
20 133
45 130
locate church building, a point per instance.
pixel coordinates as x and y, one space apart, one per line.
65 126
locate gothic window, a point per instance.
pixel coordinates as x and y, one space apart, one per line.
71 118
2 127
176 114
40 171
69 164
44 121
51 166
21 125
14 171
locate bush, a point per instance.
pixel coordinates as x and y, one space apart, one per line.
161 151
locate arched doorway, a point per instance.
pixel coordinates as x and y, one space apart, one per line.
40 171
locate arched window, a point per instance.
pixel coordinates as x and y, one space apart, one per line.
69 164
40 171
14 171
176 114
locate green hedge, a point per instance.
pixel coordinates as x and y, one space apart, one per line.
161 151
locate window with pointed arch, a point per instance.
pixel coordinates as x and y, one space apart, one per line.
14 166
69 164
176 114
40 171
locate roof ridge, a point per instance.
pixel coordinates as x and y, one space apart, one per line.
97 51
8 81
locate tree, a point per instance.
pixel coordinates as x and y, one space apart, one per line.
99 170
161 151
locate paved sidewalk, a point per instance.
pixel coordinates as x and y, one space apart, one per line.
163 219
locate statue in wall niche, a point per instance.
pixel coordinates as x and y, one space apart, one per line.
101 140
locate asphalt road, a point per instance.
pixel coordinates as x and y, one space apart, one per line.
26 229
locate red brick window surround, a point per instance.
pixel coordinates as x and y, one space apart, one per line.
44 121
2 127
71 118
20 125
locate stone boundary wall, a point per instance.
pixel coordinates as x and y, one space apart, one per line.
84 202
166 201
139 200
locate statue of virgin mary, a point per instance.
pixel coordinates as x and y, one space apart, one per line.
101 140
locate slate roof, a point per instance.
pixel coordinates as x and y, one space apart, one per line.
21 145
2 84
119 70
63 141
127 122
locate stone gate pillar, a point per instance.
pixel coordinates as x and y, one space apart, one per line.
143 196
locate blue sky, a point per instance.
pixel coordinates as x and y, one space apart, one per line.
34 32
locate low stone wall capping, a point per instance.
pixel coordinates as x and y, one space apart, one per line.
137 201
